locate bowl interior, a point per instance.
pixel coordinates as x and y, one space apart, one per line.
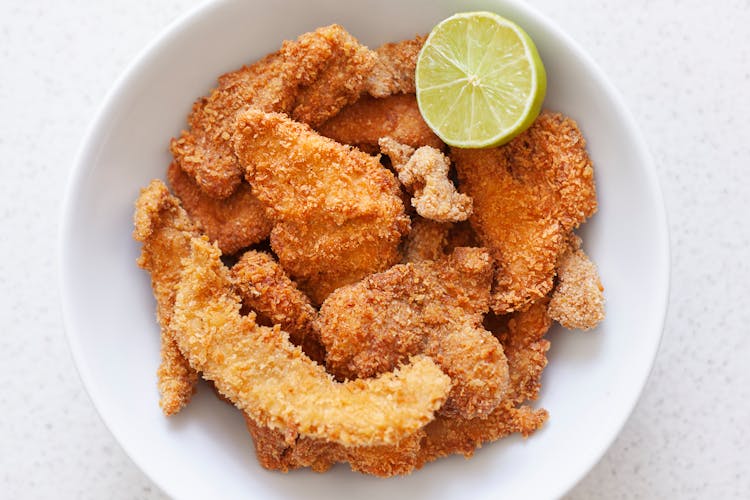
593 379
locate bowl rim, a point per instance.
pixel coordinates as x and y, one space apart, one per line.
192 15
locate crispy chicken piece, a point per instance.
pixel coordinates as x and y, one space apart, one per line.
542 187
425 172
234 223
310 79
394 70
578 299
265 289
361 124
337 213
523 340
434 308
426 240
165 230
271 380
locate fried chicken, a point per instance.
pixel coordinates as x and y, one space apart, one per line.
361 124
578 299
394 70
310 79
434 308
528 195
234 223
426 240
336 211
265 289
424 172
271 380
165 231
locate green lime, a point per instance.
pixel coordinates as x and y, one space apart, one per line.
480 80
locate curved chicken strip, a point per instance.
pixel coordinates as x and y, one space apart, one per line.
523 340
165 231
279 387
395 68
310 78
265 289
578 299
234 223
337 213
425 172
434 308
361 124
542 187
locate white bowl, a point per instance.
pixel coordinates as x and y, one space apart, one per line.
593 379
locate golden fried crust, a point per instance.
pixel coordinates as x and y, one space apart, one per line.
279 387
234 223
336 211
424 172
394 70
578 298
426 240
265 289
361 124
310 78
165 230
542 187
433 308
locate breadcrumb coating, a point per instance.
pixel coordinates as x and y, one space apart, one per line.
270 379
394 69
165 231
361 124
234 223
434 308
265 289
310 79
336 211
578 298
426 240
528 195
425 171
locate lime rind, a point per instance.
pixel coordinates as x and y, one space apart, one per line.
445 68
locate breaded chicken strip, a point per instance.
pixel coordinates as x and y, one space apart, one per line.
523 340
165 231
578 299
528 195
336 211
361 124
434 308
310 79
394 70
265 289
270 379
424 172
234 223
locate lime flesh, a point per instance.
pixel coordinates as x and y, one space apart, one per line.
480 80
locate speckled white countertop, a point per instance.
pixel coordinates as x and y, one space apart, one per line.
683 68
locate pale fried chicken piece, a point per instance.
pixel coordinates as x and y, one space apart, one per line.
271 380
540 187
336 211
165 230
434 308
394 70
578 298
523 339
310 79
425 172
361 124
426 240
265 289
234 223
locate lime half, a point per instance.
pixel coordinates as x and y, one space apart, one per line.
480 80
